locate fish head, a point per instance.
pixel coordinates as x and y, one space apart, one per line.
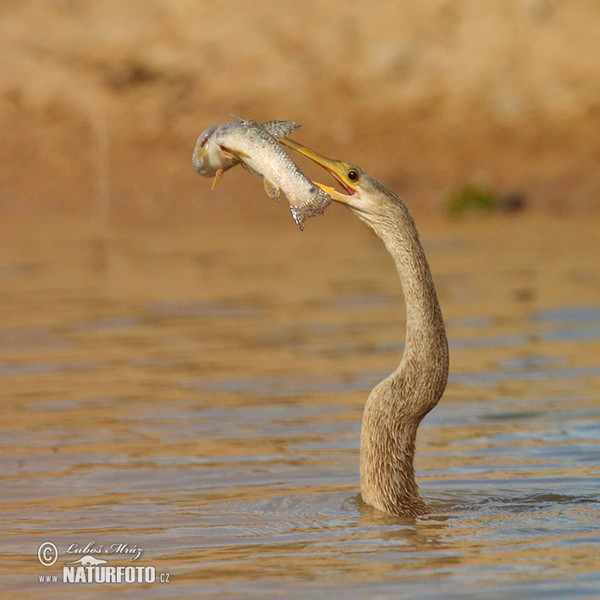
203 159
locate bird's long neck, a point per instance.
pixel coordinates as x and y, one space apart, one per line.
397 405
426 345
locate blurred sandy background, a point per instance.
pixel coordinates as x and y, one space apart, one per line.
101 101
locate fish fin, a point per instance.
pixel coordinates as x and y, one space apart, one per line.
200 153
271 189
298 218
280 129
239 154
217 179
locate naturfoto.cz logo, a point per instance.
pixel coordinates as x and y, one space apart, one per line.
92 567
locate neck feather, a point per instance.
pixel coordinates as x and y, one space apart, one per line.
426 347
398 404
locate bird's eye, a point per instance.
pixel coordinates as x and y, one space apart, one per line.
353 175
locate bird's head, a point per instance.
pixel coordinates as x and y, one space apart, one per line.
364 195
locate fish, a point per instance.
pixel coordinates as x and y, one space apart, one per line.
210 161
256 147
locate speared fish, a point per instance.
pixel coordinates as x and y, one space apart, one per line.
210 160
256 147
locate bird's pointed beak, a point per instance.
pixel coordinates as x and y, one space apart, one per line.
335 167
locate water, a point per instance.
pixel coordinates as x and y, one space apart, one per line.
196 392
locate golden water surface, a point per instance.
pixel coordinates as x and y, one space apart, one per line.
195 390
